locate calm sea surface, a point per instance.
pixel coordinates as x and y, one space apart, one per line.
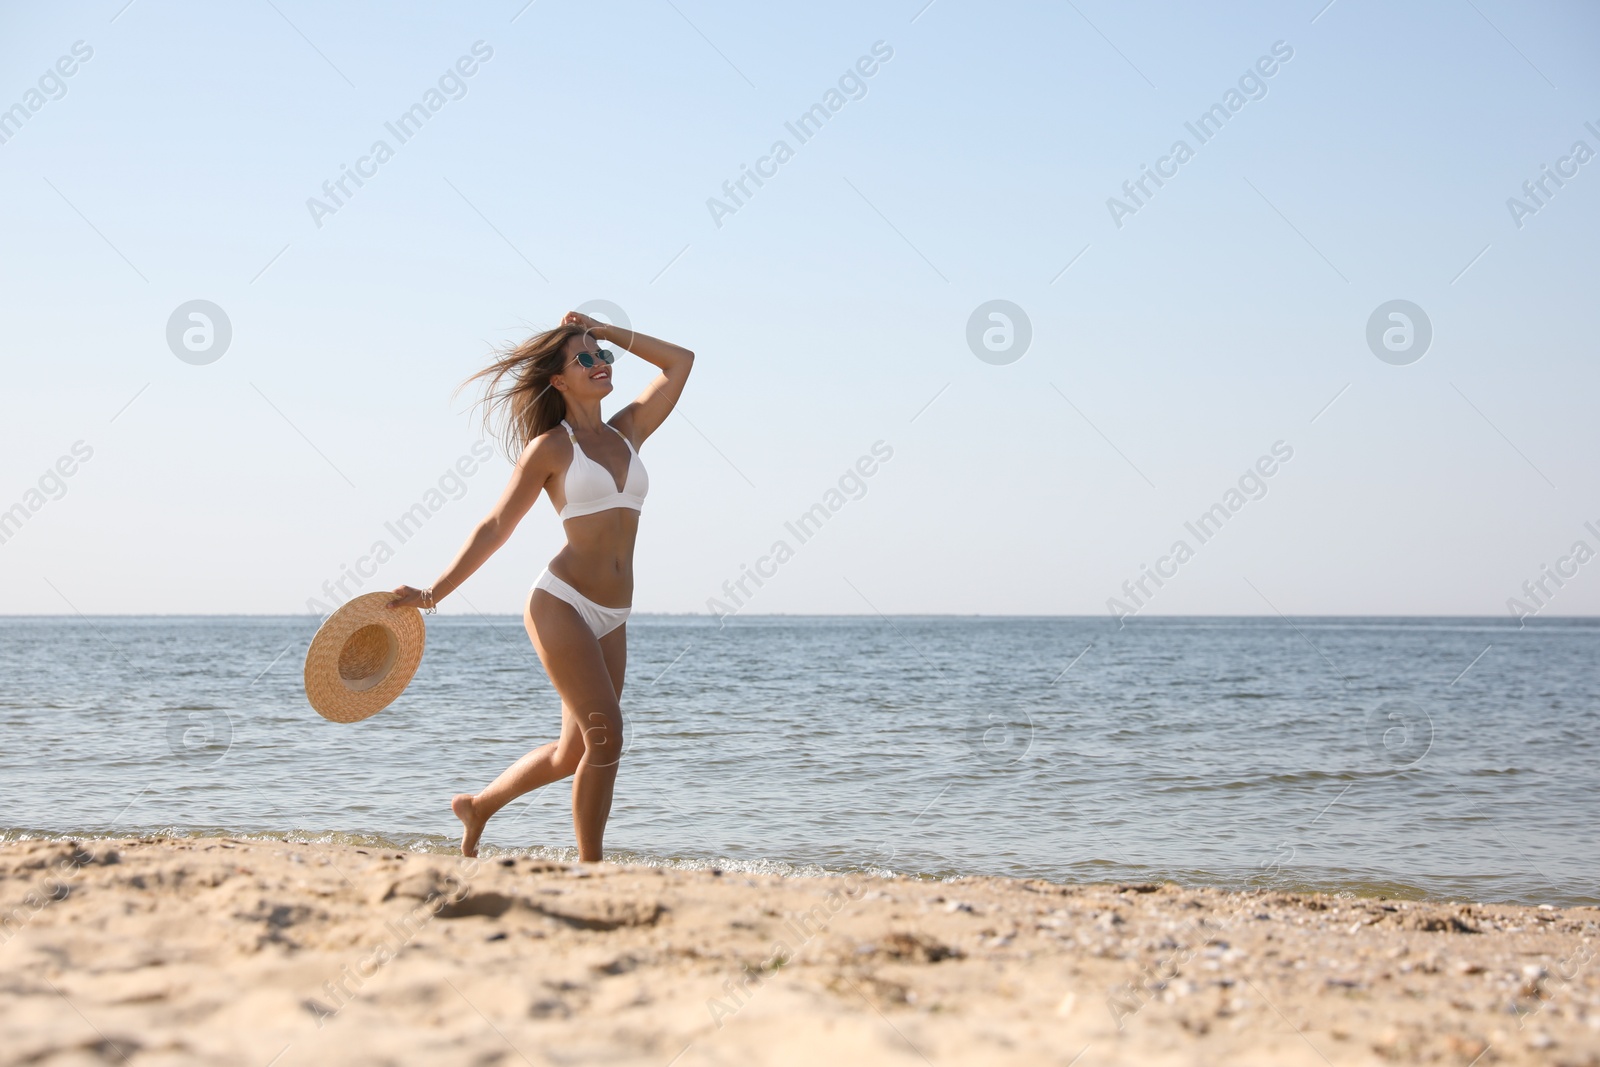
1452 758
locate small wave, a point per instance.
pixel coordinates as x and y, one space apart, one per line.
1201 784
1499 888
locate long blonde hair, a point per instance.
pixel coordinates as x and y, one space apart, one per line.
519 394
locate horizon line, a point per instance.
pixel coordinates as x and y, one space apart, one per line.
821 615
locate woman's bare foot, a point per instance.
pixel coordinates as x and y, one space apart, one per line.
471 823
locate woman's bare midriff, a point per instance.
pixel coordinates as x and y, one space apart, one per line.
597 559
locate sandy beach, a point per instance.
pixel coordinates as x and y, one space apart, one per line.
180 951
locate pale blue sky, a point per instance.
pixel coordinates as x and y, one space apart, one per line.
826 312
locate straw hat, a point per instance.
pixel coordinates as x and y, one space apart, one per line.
363 657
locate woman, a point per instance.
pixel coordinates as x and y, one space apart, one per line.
549 390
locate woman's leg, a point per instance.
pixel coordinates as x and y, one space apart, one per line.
548 763
588 679
614 647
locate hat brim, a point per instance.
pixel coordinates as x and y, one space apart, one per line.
363 657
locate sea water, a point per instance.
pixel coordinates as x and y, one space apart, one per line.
1447 758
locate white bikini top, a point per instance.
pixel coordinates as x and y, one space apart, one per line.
589 487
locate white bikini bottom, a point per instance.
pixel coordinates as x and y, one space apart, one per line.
601 619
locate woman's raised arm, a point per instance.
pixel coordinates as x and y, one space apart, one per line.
532 473
645 415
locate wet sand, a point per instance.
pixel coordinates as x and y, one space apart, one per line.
186 951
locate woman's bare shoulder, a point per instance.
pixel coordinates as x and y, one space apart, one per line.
623 423
547 451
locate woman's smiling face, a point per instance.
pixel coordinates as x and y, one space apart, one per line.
580 381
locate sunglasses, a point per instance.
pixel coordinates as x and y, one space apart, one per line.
586 358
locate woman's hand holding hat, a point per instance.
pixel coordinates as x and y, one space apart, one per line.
407 597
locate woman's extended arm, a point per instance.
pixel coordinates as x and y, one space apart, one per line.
645 415
531 473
